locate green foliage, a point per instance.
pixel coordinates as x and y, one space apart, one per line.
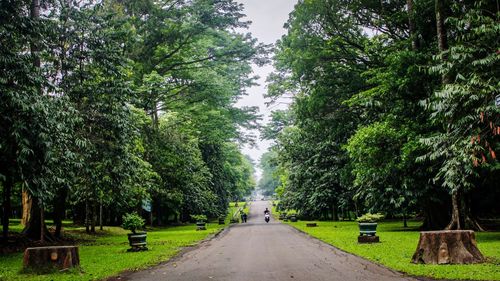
464 108
118 103
375 116
132 222
368 217
269 180
377 158
199 218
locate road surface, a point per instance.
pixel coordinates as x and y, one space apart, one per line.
257 251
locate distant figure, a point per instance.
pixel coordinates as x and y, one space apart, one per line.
267 215
244 217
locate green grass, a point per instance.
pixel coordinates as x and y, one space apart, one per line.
234 211
398 244
104 255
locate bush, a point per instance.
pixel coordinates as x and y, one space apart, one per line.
370 217
132 222
199 218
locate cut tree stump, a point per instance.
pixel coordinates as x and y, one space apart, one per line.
447 247
54 257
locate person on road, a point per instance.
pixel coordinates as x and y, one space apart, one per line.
267 215
244 217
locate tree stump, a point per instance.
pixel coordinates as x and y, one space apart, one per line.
447 247
54 257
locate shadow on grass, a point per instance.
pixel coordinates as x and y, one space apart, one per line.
50 270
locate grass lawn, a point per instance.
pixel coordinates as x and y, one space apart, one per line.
105 254
398 245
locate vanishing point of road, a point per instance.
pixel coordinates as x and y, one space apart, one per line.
260 251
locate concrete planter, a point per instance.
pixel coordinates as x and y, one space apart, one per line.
137 241
367 228
201 225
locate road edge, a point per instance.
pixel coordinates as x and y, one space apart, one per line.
125 275
421 278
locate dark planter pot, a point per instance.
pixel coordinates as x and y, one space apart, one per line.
367 228
201 225
293 218
137 241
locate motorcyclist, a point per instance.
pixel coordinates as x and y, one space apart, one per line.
266 211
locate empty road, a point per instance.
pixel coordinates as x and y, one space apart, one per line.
257 251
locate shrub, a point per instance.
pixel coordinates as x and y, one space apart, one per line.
132 222
199 218
368 217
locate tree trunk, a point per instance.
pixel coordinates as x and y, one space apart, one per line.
440 27
151 217
335 214
405 222
412 25
26 202
93 218
100 216
26 198
35 228
461 217
6 206
158 212
35 14
42 224
87 217
154 116
442 37
59 210
455 213
356 210
447 247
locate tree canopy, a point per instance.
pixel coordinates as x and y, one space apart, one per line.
393 110
110 107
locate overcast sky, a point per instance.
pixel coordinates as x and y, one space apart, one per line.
268 17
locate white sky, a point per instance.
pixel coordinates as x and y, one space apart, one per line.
268 18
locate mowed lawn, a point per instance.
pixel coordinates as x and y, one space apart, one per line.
398 244
105 254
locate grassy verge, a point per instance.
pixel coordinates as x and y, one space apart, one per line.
398 245
234 211
104 255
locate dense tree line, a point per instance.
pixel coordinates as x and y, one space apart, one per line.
393 110
110 107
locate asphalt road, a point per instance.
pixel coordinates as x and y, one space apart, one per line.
263 251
